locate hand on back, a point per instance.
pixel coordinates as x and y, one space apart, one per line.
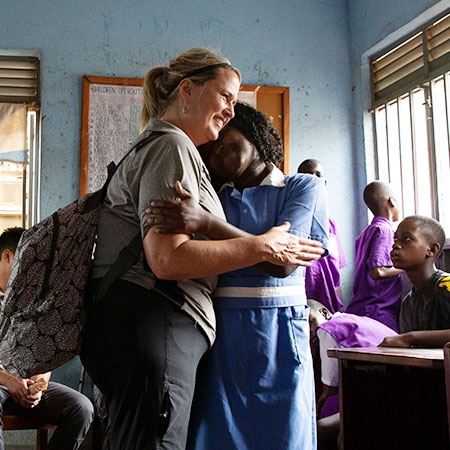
177 216
284 248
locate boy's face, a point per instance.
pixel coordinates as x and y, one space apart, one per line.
411 246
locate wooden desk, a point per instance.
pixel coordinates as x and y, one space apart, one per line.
392 398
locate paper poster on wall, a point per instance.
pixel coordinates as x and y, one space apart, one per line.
248 97
111 114
114 115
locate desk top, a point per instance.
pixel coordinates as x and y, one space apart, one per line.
419 357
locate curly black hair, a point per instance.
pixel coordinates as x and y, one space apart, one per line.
256 127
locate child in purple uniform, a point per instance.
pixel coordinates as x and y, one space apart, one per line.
338 330
377 290
322 278
425 311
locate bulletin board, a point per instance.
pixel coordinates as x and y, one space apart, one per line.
111 112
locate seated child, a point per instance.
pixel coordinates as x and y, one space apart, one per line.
377 290
322 278
339 330
417 244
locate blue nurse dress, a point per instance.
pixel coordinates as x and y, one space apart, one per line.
255 388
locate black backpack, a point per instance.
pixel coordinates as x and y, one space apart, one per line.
41 316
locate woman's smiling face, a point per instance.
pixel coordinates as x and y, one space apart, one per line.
211 106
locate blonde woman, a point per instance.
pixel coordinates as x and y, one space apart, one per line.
143 342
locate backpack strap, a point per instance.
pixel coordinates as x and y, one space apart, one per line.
130 254
98 196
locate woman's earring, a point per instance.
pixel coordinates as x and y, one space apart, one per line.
185 109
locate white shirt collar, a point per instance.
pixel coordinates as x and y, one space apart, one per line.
275 178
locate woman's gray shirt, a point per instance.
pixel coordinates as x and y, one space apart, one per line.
146 175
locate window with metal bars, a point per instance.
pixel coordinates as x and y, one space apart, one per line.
19 132
411 105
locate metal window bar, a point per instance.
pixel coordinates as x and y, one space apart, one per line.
431 151
406 155
401 159
414 163
387 143
33 179
413 147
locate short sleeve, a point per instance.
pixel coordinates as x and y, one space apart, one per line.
306 208
330 366
444 302
380 248
166 161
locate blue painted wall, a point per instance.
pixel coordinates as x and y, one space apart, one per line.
314 47
301 44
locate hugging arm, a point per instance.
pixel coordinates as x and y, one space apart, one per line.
187 217
176 256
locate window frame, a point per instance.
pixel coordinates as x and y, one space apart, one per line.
422 79
31 184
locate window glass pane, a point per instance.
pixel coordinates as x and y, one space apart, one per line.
15 183
382 150
11 178
406 151
423 179
395 176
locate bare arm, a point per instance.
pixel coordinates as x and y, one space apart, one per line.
424 339
381 273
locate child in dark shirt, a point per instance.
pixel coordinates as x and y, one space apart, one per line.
418 242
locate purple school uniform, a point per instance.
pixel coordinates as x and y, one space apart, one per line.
350 330
379 299
322 279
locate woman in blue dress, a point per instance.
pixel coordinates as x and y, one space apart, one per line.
255 388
